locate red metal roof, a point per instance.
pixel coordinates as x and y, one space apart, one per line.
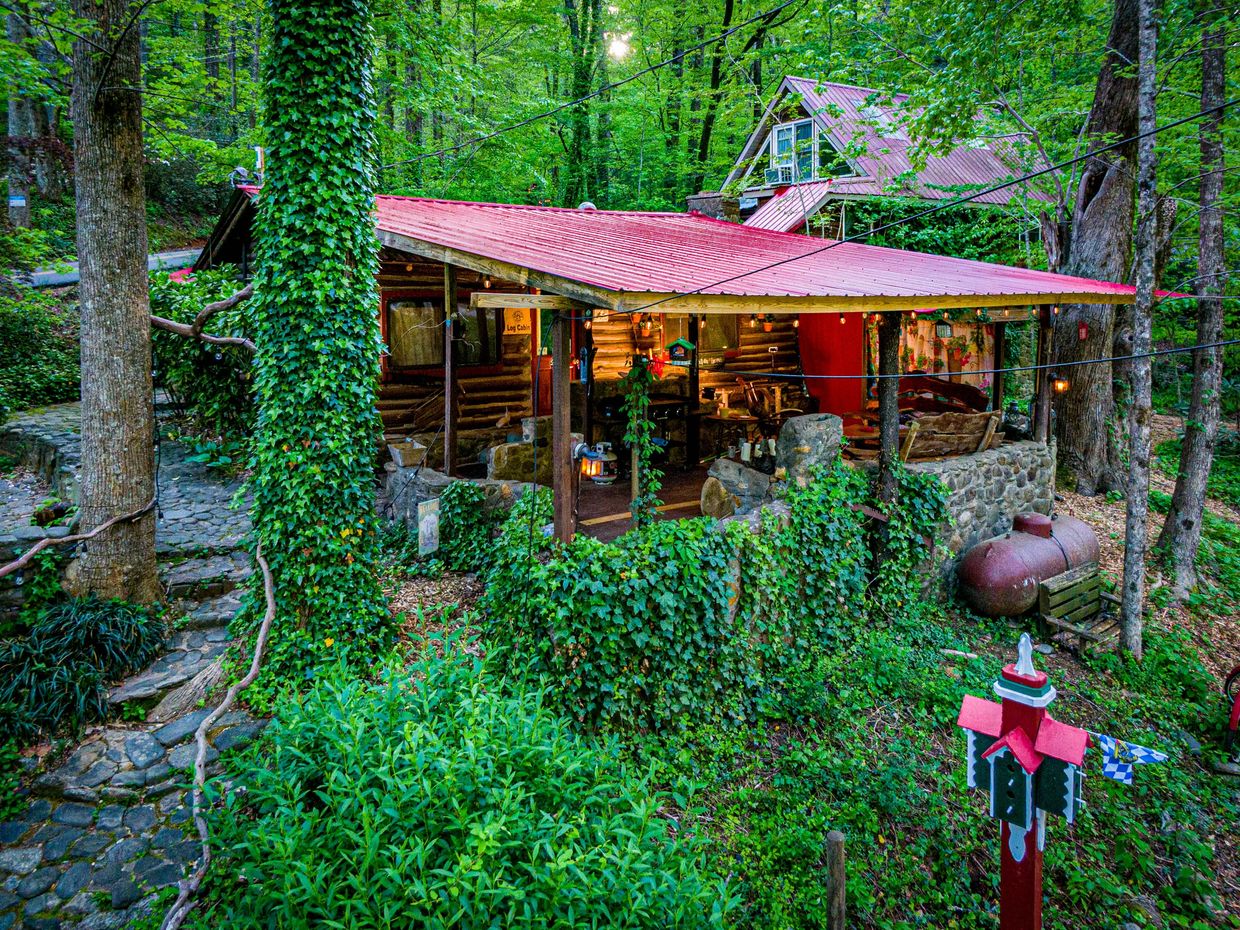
885 166
661 253
787 209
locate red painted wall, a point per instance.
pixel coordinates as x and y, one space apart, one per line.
829 347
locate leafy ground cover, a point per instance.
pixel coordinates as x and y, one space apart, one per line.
1224 481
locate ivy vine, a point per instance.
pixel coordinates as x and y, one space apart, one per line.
639 434
317 336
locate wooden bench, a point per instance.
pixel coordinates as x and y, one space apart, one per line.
1075 603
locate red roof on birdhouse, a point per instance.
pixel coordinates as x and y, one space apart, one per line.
980 715
1018 743
1061 741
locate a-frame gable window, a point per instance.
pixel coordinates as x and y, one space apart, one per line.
797 153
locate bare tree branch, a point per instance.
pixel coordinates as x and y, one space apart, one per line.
194 330
186 900
42 544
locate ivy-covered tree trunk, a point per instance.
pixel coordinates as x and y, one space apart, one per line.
1181 534
317 335
118 456
1097 243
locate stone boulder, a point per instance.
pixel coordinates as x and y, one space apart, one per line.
806 441
745 487
515 461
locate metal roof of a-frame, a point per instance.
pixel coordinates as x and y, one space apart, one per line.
690 263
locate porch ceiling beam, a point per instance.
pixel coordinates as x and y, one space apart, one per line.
499 299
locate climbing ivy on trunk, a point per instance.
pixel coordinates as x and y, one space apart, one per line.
317 337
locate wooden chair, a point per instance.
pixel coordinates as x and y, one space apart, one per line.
1074 602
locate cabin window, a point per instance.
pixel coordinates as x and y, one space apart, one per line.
797 154
718 338
413 327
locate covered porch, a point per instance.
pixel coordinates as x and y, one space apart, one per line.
750 329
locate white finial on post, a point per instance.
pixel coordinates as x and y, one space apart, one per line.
1024 656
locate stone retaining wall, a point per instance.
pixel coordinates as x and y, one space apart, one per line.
986 489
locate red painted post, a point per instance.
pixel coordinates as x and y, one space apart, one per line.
1030 764
1020 883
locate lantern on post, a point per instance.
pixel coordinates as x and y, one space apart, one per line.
1031 765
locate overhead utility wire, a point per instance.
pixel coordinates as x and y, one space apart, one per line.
679 56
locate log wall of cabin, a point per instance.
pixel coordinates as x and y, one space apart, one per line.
413 403
618 338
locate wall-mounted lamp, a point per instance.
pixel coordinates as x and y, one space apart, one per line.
1060 385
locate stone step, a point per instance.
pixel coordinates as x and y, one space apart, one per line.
204 578
165 673
197 638
213 613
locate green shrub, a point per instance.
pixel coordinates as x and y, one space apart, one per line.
465 527
39 364
211 382
436 798
675 620
11 803
56 676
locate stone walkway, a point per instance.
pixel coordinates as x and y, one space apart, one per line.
107 826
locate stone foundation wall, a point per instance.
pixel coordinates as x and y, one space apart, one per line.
987 489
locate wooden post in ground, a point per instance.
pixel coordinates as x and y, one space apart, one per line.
1042 402
561 427
449 371
837 911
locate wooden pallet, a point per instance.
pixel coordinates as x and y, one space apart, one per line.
1075 604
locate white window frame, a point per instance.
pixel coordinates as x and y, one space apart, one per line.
789 158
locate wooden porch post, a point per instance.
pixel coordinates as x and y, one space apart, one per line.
561 427
996 384
449 371
888 404
1042 403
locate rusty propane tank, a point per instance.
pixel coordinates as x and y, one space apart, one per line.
999 576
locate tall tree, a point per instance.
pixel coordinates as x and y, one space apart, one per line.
1181 533
317 335
1096 242
1136 529
118 461
21 127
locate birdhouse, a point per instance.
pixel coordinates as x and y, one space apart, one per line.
680 353
1030 764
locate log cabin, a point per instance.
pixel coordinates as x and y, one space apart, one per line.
492 313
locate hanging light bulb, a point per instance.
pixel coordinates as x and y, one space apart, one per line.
1055 310
796 322
841 319
753 321
486 281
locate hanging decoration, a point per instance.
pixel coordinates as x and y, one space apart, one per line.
1082 330
1119 758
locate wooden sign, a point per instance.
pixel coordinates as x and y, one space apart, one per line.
428 526
518 321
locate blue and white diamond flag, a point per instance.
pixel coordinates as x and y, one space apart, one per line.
1119 758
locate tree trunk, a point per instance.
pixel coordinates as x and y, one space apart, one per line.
21 133
1181 534
1137 529
118 461
1097 243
